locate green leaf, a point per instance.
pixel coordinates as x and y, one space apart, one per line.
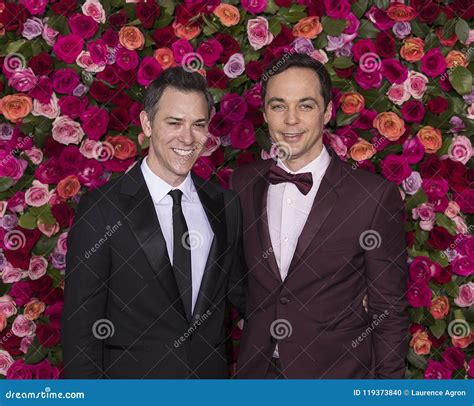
421 235
416 360
359 7
438 328
5 183
418 198
439 257
462 30
35 353
444 221
332 26
367 29
344 119
272 7
164 20
14 46
416 314
461 79
274 26
28 221
449 28
343 62
452 289
45 245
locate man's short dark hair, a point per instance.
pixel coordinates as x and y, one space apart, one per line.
289 60
180 79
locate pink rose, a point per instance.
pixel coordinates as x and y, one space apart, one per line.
49 35
6 362
23 327
416 84
38 194
398 94
49 110
452 210
37 268
25 344
212 144
68 47
258 33
460 149
67 131
84 60
7 306
94 9
23 79
235 66
466 295
424 212
11 274
61 244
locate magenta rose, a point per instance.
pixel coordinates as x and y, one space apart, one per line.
48 336
43 90
82 25
233 107
242 135
98 51
68 47
422 269
413 111
210 50
395 168
148 71
362 47
147 13
126 59
94 122
394 71
435 188
419 294
437 370
466 246
465 200
35 7
413 150
433 63
254 6
65 80
380 18
203 167
45 370
337 8
181 48
463 266
20 370
73 106
453 358
368 80
219 125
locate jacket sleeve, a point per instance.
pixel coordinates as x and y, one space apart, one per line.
387 272
85 292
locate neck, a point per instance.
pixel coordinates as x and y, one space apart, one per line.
171 179
295 164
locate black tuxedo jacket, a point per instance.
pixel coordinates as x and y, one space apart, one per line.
123 315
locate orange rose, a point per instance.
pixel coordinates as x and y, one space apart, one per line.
420 343
412 49
16 106
165 57
308 27
131 38
68 187
33 309
456 58
400 12
352 103
188 31
124 147
430 138
228 15
389 125
439 307
362 150
463 342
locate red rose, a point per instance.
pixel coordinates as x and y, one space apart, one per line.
464 9
440 238
437 105
229 45
119 119
254 70
147 13
203 167
216 78
13 16
11 343
101 92
385 45
413 111
164 37
64 7
465 199
63 214
47 335
41 64
118 19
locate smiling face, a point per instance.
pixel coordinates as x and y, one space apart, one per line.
295 114
177 134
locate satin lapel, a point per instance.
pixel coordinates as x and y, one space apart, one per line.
323 204
213 204
260 193
142 219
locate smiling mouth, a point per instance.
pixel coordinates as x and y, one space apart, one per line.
293 134
183 152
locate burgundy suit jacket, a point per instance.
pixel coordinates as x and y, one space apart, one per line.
352 244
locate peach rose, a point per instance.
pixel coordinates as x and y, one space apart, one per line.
227 14
165 57
308 27
33 309
3 322
68 187
412 49
456 58
15 107
352 102
362 150
124 147
463 342
131 38
452 210
439 307
47 229
430 138
421 343
188 31
389 125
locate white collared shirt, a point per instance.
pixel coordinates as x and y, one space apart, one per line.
200 231
288 210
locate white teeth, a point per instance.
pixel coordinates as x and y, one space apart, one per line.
183 152
291 134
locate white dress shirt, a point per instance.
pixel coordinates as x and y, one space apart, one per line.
200 231
288 210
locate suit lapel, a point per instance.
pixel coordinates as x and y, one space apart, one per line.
213 204
323 204
142 219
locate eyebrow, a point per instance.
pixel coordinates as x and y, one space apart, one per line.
182 119
279 99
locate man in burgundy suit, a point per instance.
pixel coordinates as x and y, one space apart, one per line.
319 236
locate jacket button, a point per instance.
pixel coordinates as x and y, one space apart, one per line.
284 300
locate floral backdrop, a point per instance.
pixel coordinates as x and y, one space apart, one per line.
72 79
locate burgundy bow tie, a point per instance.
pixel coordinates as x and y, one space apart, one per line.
303 181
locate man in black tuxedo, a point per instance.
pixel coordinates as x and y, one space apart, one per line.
155 256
